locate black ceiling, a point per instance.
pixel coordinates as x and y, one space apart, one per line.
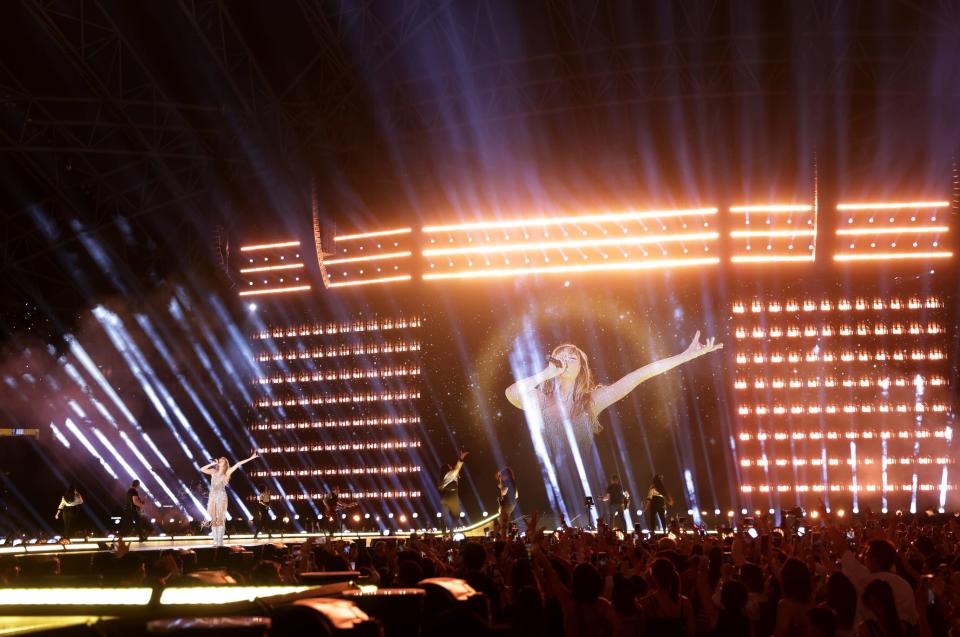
145 127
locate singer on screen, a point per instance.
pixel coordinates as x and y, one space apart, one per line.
568 403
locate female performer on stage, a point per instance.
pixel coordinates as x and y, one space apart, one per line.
564 401
220 473
658 499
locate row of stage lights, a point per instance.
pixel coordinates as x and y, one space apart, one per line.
355 495
345 327
337 399
335 424
336 351
841 305
862 329
285 265
842 488
344 446
829 382
849 462
847 435
557 244
339 471
882 408
775 358
341 374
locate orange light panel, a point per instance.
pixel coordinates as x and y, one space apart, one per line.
368 235
626 266
288 290
270 246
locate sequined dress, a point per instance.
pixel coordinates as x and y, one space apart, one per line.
217 502
565 436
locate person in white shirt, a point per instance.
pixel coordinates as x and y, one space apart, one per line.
878 560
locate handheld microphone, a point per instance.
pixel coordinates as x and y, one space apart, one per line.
556 361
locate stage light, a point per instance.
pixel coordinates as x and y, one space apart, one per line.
270 246
271 268
252 307
892 256
625 266
340 399
771 258
336 351
893 206
895 230
284 290
368 235
223 594
773 208
580 219
343 446
322 424
338 471
403 519
60 596
772 233
742 511
560 245
387 279
356 517
373 257
341 374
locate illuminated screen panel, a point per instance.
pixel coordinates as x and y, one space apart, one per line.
370 258
773 233
844 398
274 268
892 231
598 243
338 406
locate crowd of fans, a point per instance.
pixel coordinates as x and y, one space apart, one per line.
895 576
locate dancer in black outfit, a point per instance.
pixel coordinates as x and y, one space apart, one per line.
616 497
132 517
658 499
507 487
262 519
450 494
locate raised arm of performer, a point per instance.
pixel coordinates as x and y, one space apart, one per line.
454 473
209 469
604 396
241 463
554 368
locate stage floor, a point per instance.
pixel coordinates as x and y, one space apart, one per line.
162 542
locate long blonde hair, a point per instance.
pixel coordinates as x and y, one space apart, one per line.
583 386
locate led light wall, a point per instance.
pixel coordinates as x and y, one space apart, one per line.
383 256
337 406
609 242
272 268
844 399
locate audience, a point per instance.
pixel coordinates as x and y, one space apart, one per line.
893 576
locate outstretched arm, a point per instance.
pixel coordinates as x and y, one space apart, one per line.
241 463
603 397
209 468
457 467
516 390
